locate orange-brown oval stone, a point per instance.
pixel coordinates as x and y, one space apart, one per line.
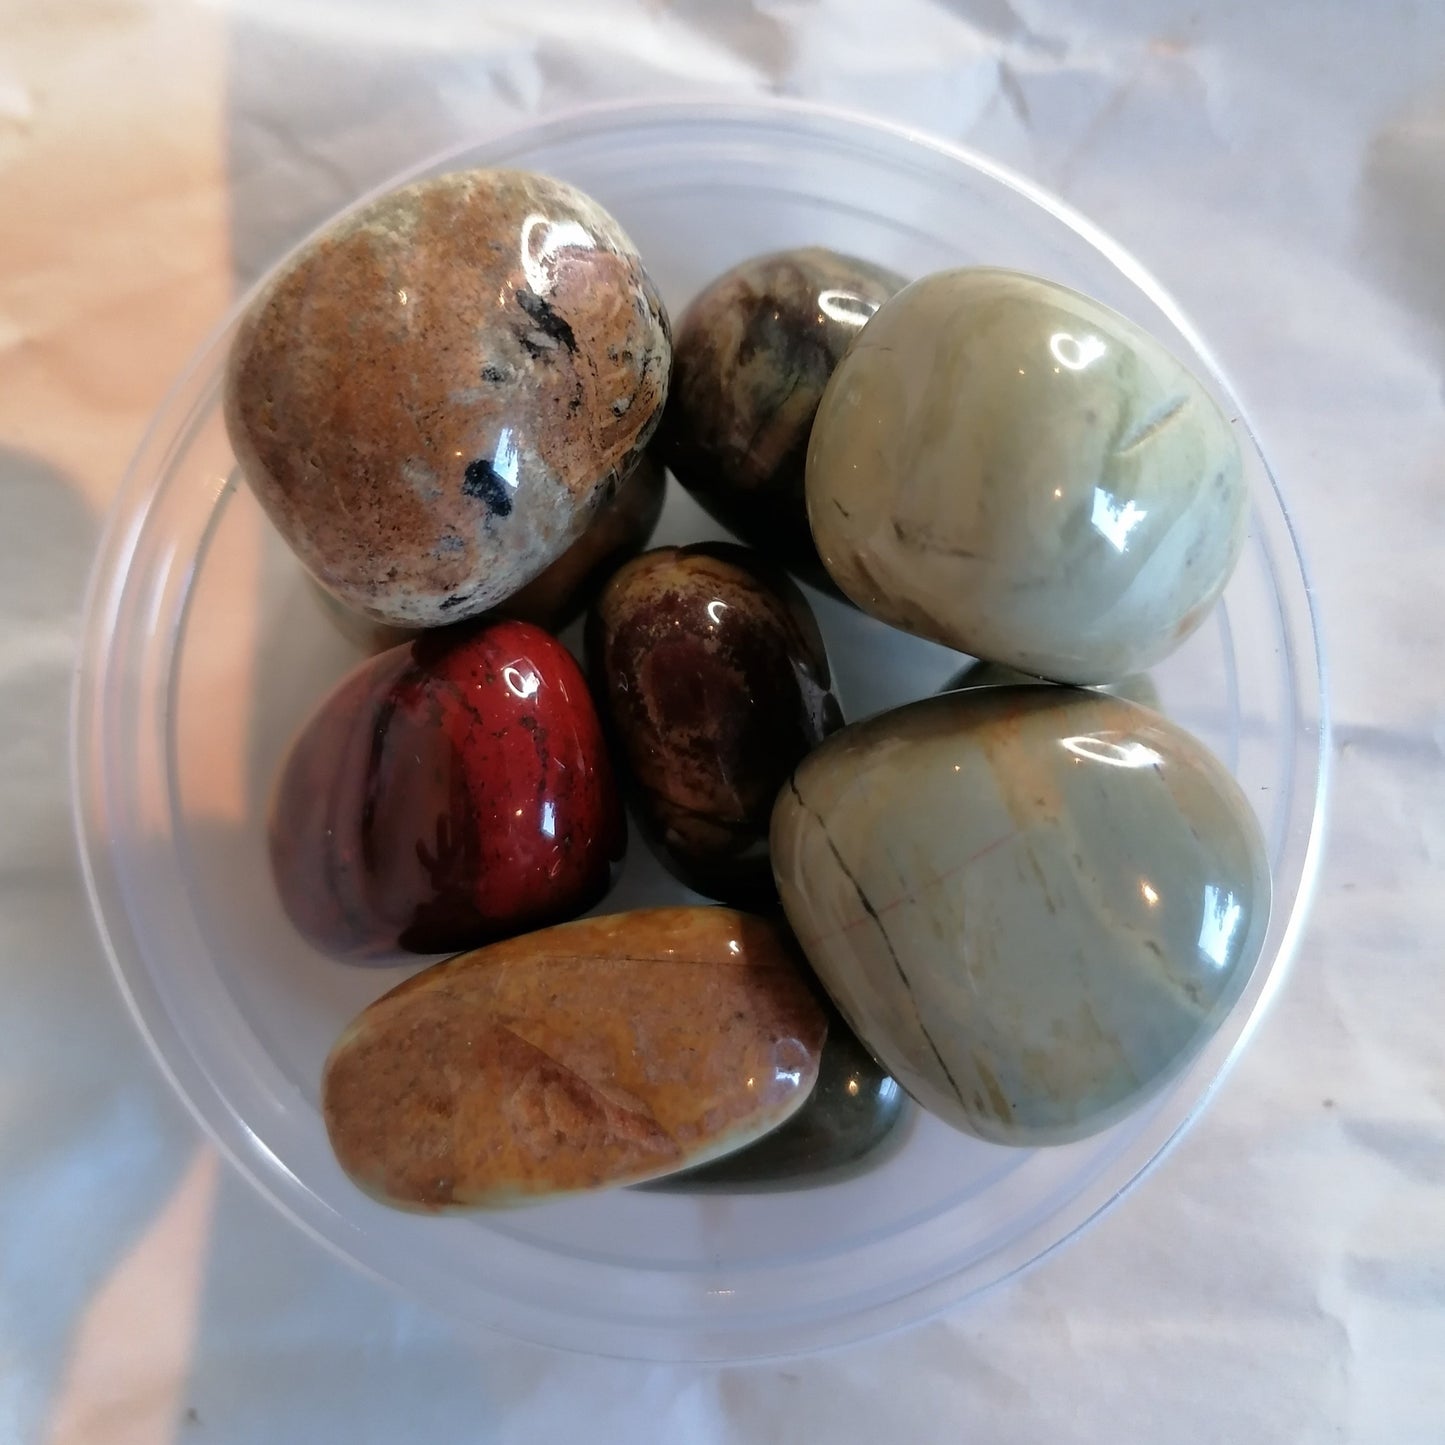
601 1052
432 397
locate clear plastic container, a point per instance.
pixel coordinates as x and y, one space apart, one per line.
205 647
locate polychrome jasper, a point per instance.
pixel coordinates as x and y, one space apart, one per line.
1033 904
712 670
601 1052
450 791
754 352
1007 467
435 394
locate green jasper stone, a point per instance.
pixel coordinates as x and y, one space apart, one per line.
1034 905
1010 468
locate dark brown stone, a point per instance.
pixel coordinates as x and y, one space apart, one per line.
710 666
754 352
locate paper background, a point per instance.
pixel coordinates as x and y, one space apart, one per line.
1281 168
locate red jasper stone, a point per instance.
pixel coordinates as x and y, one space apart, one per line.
450 792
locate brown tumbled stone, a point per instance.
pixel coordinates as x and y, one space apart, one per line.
433 397
600 1052
754 351
710 667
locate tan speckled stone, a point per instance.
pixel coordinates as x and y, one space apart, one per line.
433 396
605 1051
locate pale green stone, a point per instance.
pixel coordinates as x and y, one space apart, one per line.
1034 905
1010 468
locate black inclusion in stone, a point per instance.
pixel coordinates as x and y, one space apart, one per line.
481 480
546 319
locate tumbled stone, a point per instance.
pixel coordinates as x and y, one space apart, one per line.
448 792
712 670
1010 468
1033 904
434 395
754 352
600 1052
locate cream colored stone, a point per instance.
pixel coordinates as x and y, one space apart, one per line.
1012 469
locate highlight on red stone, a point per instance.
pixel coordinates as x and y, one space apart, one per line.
449 792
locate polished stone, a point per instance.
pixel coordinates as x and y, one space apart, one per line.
848 1125
1033 904
601 1052
1009 468
754 351
450 791
433 396
711 668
